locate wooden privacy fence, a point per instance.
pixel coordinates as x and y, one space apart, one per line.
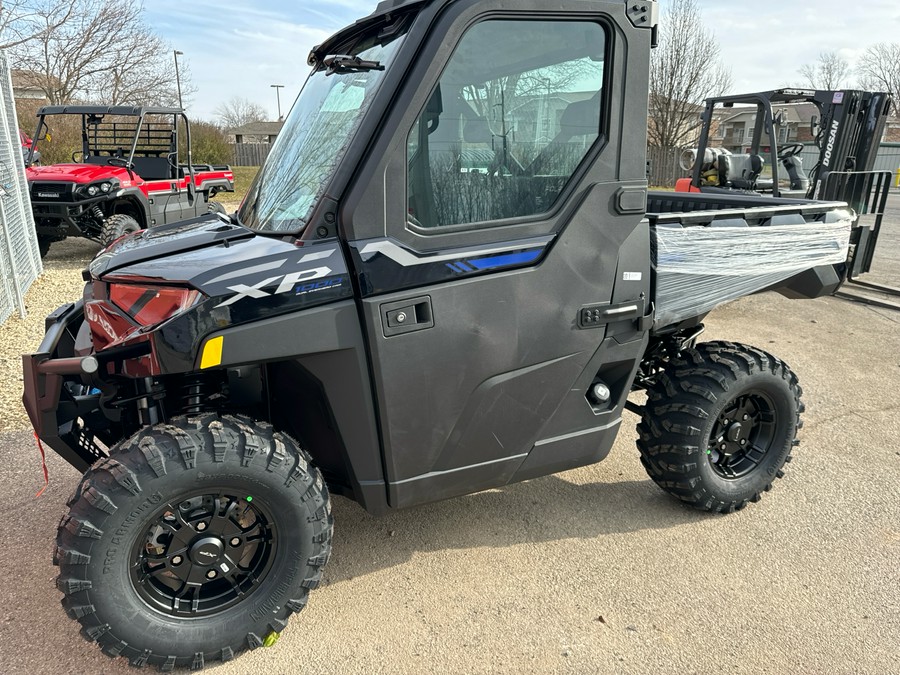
250 154
662 166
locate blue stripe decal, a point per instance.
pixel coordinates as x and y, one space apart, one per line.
505 260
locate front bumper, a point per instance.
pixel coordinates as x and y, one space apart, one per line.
62 400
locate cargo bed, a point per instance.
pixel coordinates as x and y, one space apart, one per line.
708 249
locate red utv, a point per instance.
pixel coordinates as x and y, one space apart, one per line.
128 175
26 143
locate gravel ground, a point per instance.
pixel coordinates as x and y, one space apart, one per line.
60 283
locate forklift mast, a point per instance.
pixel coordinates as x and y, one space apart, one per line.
849 132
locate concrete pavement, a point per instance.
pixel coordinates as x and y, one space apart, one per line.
590 571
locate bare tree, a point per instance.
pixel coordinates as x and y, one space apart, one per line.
23 20
879 68
104 51
685 69
238 111
830 71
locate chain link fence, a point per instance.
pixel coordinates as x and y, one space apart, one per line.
20 258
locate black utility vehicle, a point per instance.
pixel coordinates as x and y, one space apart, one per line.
128 175
448 276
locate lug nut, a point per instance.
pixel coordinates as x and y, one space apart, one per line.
201 526
235 542
723 446
746 417
211 574
743 442
177 560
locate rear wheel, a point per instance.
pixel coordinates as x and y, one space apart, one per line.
719 425
193 541
117 226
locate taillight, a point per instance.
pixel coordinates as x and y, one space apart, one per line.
151 305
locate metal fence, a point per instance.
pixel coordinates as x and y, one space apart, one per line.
250 154
20 258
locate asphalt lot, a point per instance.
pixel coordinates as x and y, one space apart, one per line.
594 570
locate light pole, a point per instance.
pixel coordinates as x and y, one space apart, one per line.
278 88
178 78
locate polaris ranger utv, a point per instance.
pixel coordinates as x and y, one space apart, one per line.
127 176
447 277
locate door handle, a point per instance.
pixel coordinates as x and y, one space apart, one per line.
406 316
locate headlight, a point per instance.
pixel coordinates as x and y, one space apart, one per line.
92 190
105 187
151 305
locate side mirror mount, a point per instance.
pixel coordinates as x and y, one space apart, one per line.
813 124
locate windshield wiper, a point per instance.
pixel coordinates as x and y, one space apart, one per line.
344 63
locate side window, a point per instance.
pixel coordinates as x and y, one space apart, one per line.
514 114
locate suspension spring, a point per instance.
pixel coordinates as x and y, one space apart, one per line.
198 395
97 212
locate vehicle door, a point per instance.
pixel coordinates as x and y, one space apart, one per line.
497 238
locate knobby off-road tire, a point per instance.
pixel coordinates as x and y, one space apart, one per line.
117 225
44 245
176 504
719 425
216 207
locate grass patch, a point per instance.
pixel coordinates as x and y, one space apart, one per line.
243 177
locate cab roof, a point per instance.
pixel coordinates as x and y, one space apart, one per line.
123 110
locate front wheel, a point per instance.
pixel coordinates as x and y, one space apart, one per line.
116 226
193 541
719 425
44 244
216 207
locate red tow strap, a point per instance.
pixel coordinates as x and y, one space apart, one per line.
43 465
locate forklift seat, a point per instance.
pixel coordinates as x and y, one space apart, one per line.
740 171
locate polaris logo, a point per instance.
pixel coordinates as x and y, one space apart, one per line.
829 148
286 282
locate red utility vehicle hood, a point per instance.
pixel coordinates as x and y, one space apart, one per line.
76 173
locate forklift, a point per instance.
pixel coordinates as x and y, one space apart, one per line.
847 131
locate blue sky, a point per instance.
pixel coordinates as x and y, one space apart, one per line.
236 48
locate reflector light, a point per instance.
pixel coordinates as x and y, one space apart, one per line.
151 305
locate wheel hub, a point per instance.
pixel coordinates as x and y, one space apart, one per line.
207 551
734 432
204 554
742 435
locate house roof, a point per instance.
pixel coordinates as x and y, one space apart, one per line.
29 79
257 129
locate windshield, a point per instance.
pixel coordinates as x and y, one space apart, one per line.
314 139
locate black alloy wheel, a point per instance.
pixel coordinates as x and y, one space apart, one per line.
203 554
742 435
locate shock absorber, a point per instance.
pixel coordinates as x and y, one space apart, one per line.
97 212
200 393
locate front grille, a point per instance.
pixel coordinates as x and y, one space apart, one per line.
51 192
